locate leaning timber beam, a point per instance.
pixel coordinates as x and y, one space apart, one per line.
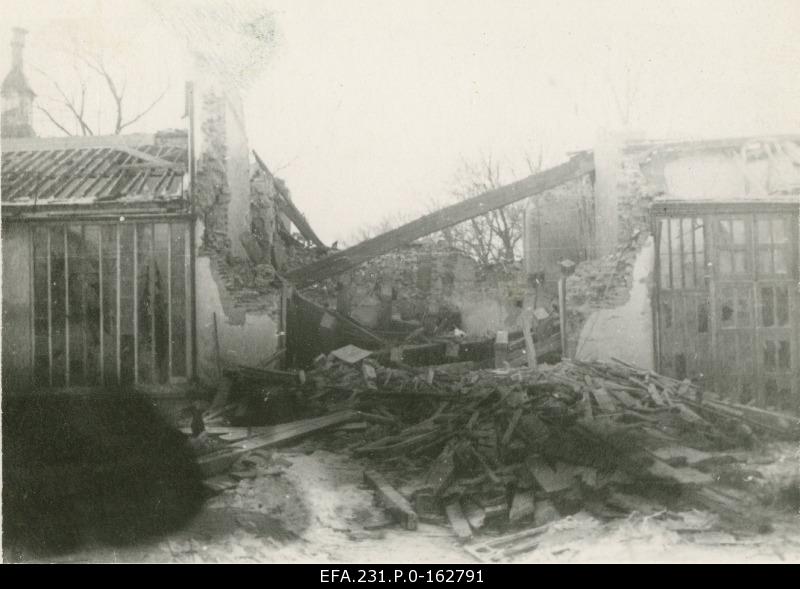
342 261
287 207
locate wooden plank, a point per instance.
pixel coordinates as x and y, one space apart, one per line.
604 400
287 208
522 506
689 456
393 501
684 476
458 522
551 480
545 513
216 462
360 329
441 472
340 262
475 514
530 350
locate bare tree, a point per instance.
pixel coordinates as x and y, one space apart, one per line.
66 105
496 237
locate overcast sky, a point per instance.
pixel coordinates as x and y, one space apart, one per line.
366 108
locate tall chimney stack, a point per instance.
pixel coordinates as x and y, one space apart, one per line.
17 96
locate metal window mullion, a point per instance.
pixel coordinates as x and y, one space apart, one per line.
84 257
66 305
151 277
101 296
169 302
669 250
32 286
188 300
694 251
135 305
49 308
118 313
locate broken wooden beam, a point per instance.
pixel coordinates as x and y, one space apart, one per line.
392 500
287 207
342 261
217 462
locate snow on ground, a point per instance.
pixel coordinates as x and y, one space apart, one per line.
308 505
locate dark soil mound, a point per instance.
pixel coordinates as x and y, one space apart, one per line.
101 467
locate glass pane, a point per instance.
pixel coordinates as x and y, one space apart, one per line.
666 314
41 333
700 248
160 301
91 294
781 256
145 276
782 305
702 317
664 256
767 307
780 231
126 303
739 232
675 246
765 260
109 247
784 355
769 354
764 231
725 262
727 307
688 253
58 298
739 262
725 233
743 307
178 295
76 304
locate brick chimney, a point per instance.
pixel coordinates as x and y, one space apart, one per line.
17 96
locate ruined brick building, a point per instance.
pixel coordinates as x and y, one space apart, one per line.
692 260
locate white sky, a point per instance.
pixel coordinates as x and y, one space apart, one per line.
366 108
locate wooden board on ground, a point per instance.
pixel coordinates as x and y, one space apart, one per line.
218 462
684 476
552 480
458 522
604 400
351 354
523 506
688 455
392 500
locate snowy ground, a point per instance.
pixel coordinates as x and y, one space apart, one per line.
307 505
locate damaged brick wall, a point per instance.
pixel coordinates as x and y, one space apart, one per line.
429 283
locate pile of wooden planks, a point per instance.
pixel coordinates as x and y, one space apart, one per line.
522 447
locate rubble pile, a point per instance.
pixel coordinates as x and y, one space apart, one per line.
493 451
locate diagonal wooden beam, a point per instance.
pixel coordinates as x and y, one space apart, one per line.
342 261
287 208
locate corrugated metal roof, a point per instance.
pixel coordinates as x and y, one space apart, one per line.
88 170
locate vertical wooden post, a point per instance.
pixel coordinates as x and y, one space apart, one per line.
286 299
562 314
216 347
500 349
530 350
567 268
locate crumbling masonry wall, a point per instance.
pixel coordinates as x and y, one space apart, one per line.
237 301
609 297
